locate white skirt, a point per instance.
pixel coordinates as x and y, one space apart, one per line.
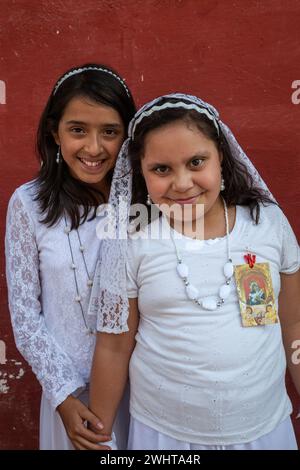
53 435
143 437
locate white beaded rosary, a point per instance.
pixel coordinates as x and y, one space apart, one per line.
207 303
73 266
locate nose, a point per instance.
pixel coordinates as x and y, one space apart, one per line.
182 182
93 145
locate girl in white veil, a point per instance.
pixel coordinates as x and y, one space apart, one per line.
208 369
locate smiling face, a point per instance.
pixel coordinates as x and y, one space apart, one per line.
181 165
90 135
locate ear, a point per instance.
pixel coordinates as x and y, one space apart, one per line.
55 137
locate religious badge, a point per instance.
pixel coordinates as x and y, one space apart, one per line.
255 291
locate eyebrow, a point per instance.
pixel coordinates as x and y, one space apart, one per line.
82 123
199 155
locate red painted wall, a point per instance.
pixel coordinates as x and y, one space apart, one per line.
241 56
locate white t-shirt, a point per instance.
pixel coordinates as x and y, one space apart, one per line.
198 375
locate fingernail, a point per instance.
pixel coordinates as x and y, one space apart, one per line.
100 426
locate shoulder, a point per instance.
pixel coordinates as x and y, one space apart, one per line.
139 242
273 216
273 226
268 230
268 213
25 192
270 210
23 199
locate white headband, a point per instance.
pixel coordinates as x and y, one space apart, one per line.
84 69
179 104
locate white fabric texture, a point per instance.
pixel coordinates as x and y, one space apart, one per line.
196 375
142 437
109 298
47 322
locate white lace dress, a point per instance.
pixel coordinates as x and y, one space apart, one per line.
48 325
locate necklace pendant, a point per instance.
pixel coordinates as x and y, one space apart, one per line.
209 303
90 283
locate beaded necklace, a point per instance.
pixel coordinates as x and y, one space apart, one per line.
78 297
210 302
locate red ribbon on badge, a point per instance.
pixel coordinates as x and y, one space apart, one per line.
250 259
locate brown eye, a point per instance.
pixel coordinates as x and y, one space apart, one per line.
110 132
196 162
77 130
161 170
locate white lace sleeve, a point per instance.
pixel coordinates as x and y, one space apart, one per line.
51 365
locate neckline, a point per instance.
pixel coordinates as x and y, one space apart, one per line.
209 241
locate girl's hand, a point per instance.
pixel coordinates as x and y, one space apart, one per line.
74 414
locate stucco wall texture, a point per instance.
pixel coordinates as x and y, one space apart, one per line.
242 56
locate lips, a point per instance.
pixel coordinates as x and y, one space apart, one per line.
91 163
190 200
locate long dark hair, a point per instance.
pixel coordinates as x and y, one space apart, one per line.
57 191
239 185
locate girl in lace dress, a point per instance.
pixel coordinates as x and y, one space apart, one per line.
52 247
207 369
